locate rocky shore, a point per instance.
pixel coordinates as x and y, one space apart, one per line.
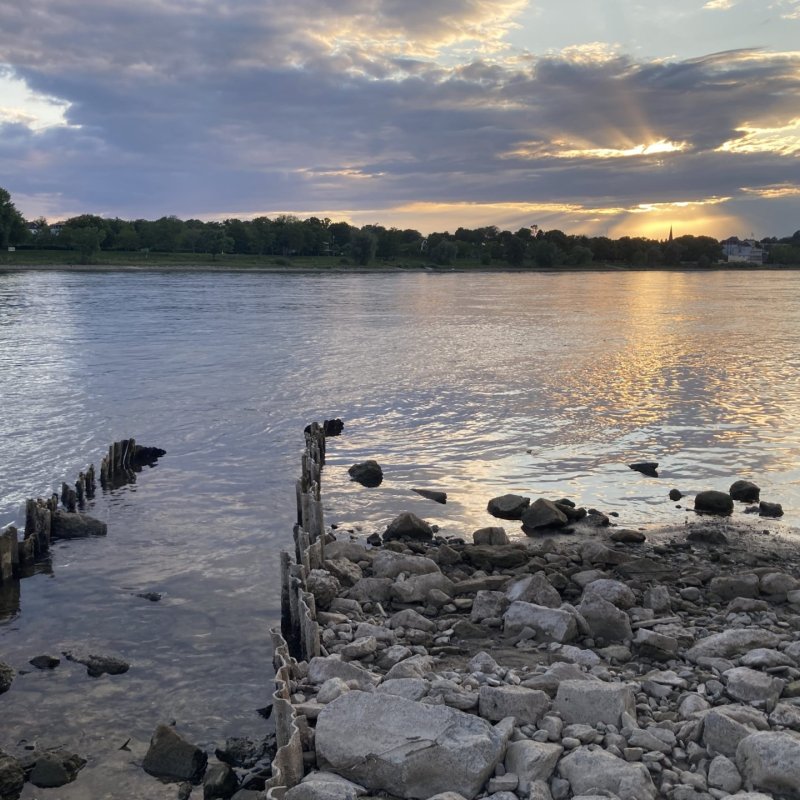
608 663
556 668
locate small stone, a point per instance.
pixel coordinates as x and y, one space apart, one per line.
543 514
646 468
490 536
45 662
172 758
408 526
770 509
220 781
429 494
722 774
96 664
627 536
675 495
56 768
508 506
744 491
594 701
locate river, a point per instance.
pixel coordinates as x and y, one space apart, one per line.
476 384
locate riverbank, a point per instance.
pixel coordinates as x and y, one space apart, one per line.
613 661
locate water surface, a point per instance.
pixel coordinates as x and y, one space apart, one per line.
474 384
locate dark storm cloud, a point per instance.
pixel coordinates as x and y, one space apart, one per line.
197 108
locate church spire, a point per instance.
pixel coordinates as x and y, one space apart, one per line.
670 233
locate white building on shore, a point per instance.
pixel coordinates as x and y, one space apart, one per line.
747 251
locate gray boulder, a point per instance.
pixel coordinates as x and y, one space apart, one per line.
615 592
369 590
605 619
771 761
534 589
589 770
416 588
172 758
488 605
508 506
752 686
722 774
543 514
713 502
408 749
733 642
744 491
322 669
724 727
56 768
532 761
70 525
590 702
325 786
527 706
549 624
387 564
324 587
728 587
408 526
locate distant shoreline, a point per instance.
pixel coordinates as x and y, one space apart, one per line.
304 268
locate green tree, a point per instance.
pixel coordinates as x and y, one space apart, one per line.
12 225
86 240
363 245
514 249
215 241
444 252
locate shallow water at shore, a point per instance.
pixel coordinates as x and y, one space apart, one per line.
473 384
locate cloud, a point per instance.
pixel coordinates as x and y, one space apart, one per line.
196 108
719 5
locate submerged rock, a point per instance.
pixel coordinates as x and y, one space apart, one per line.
12 777
56 768
96 664
646 468
66 525
45 662
431 494
6 677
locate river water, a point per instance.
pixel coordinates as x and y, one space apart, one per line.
476 384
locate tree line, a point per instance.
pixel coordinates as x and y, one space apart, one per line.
287 236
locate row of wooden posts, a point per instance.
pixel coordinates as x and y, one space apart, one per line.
298 638
17 556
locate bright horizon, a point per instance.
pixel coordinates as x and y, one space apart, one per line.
625 119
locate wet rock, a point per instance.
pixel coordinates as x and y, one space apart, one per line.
173 758
744 491
56 768
646 468
627 536
45 662
508 506
153 597
6 677
532 761
591 702
548 624
408 526
588 770
220 781
710 536
490 536
408 749
713 502
430 494
543 514
770 509
97 664
367 473
66 525
675 495
771 761
12 777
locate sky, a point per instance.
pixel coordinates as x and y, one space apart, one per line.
596 117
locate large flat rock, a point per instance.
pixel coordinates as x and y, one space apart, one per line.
406 748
